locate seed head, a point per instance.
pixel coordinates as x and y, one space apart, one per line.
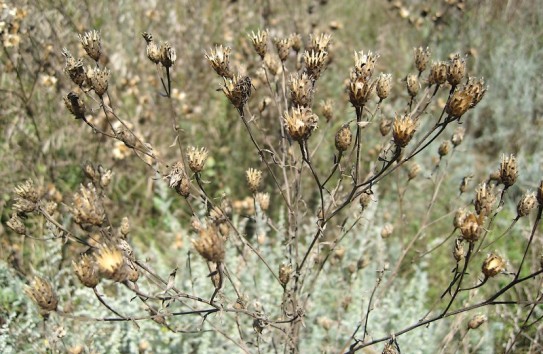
526 204
219 58
459 103
413 171
41 292
87 208
74 68
92 44
254 178
315 63
422 56
15 223
403 130
237 90
383 86
283 47
260 42
364 64
360 90
456 70
86 270
295 41
493 265
458 251
458 136
125 227
365 199
344 138
459 218
153 50
75 105
471 229
196 158
438 73
300 123
319 43
285 271
387 230
327 109
444 148
508 170
413 85
210 245
98 80
476 321
263 199
301 90
111 263
484 199
28 191
476 89
385 126
167 55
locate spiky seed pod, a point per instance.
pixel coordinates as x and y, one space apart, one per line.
456 70
444 149
360 90
16 224
74 68
484 199
285 271
237 90
403 130
87 271
320 42
526 204
263 199
300 123
254 178
327 110
364 64
41 292
476 321
272 63
422 56
383 86
314 62
92 44
508 170
458 251
111 263
152 50
27 191
196 158
413 85
301 90
99 80
283 47
458 136
438 73
413 171
493 265
476 90
23 206
471 228
167 55
210 245
295 41
387 230
459 218
458 103
344 138
260 42
539 194
385 126
219 58
75 105
87 208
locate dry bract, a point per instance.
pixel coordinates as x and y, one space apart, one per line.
526 204
283 47
210 245
403 129
86 270
196 158
92 44
327 109
74 68
413 172
219 58
320 42
459 218
383 85
28 191
484 199
493 265
458 136
385 126
300 123
87 208
364 64
260 42
387 230
111 263
16 224
301 90
456 70
41 292
508 170
477 321
459 103
422 56
458 251
413 85
444 149
295 41
254 178
471 228
237 90
438 73
477 90
98 80
315 63
344 138
75 105
168 55
263 199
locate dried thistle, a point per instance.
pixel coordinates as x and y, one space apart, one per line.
295 41
27 191
360 90
300 123
260 42
403 130
263 199
456 70
387 230
92 44
98 80
15 223
86 270
301 90
422 56
413 85
41 292
75 105
315 62
365 199
444 149
219 58
413 171
484 199
319 43
383 86
344 138
476 89
459 103
152 50
493 265
124 229
471 228
458 136
74 68
458 251
254 178
385 126
210 245
508 170
179 180
459 218
327 110
168 55
438 73
285 271
87 208
112 263
283 47
364 64
196 158
526 204
237 90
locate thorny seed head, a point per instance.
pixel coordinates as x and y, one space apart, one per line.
327 109
285 271
87 208
272 63
471 228
493 265
438 73
152 50
237 90
92 44
459 103
459 218
508 170
476 321
387 230
263 199
360 90
301 90
385 126
458 136
383 86
283 47
484 199
260 42
15 223
41 292
413 172
254 179
458 251
98 80
315 63
403 130
422 56
75 105
74 68
28 191
112 263
476 89
320 42
300 123
526 204
295 41
364 64
168 55
456 70
344 138
413 85
219 58
86 270
365 199
196 158
444 148
210 245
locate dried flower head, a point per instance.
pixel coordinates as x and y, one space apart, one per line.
112 263
364 64
413 85
86 270
484 199
75 105
315 62
476 89
456 70
385 126
413 171
403 130
383 86
508 170
263 199
210 245
260 42
360 90
526 204
74 68
98 80
219 58
444 148
365 199
285 271
41 292
327 109
179 180
283 47
196 158
152 50
459 103
476 321
237 90
493 265
471 228
254 178
295 41
300 123
344 138
438 73
15 223
459 217
320 42
27 191
422 56
87 208
387 230
92 44
458 251
167 55
124 229
301 90
458 136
